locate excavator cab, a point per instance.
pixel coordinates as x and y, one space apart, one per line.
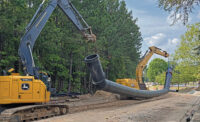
46 79
15 88
22 89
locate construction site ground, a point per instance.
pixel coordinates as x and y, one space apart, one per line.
106 107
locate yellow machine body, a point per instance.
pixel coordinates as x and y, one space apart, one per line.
138 82
128 82
22 89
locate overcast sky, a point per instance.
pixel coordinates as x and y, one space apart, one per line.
155 26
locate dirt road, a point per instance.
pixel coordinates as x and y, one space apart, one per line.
174 107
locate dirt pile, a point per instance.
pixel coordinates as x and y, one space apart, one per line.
99 93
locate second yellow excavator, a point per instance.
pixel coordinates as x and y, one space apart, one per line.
138 82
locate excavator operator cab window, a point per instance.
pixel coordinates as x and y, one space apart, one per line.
45 78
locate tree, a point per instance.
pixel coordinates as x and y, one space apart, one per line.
156 67
188 62
160 78
60 48
118 36
180 8
12 22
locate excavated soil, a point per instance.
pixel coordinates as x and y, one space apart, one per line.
105 107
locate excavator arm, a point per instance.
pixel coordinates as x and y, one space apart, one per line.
145 59
37 24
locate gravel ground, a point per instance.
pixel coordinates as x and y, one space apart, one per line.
172 107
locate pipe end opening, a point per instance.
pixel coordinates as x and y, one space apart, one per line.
91 58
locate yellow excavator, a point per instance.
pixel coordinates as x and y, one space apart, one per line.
138 82
34 86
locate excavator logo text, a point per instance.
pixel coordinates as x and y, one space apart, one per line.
25 79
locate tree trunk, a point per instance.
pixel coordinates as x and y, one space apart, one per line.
1 45
59 86
70 72
54 79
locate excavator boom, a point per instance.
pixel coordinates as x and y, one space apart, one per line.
138 82
37 24
144 61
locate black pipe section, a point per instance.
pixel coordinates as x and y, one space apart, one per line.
98 76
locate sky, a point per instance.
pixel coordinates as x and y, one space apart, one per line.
155 25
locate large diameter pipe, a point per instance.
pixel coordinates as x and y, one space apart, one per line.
98 76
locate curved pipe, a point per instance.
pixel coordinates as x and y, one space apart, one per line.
98 76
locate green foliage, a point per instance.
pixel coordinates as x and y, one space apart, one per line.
180 8
60 48
156 67
160 78
186 58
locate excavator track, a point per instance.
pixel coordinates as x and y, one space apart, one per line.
33 112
